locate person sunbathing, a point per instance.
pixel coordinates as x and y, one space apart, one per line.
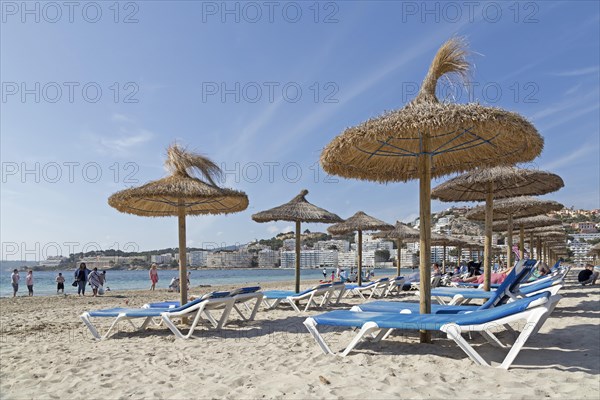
495 278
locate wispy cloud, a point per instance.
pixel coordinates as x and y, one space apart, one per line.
568 159
129 137
578 71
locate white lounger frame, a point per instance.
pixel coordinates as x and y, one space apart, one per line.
202 308
535 317
324 293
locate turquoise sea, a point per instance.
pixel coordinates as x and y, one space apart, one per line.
44 281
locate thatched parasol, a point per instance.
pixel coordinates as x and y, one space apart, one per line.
427 138
359 222
516 207
297 210
181 194
438 239
485 184
538 221
402 233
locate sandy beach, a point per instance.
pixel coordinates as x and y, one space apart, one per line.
46 352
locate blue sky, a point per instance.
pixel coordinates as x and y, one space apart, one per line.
92 96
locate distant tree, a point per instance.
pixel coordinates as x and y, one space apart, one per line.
332 247
306 231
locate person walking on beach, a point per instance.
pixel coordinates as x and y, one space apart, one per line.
95 281
324 273
29 282
153 276
60 283
14 279
81 277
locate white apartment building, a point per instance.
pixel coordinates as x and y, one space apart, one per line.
580 252
310 259
268 258
341 245
229 259
198 258
166 258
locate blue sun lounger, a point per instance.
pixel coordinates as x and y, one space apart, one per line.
533 310
196 308
272 298
376 288
241 296
519 274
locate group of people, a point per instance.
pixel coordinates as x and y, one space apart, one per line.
343 276
15 278
83 276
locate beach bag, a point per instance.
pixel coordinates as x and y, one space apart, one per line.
100 290
74 283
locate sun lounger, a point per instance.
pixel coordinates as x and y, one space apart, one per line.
376 288
533 310
435 282
272 298
196 309
241 296
395 285
521 271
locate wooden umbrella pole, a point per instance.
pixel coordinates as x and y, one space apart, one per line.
359 250
399 256
425 233
182 257
297 272
531 245
444 259
522 241
509 239
459 256
487 252
539 249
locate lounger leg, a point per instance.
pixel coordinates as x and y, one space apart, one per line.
272 304
242 316
85 317
259 300
492 339
453 332
225 315
367 328
212 319
311 325
552 302
383 333
293 304
145 324
311 300
342 292
528 330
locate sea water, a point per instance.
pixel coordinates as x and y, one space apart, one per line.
44 282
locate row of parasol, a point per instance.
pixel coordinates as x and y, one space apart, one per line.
423 140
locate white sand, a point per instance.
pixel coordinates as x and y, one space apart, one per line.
46 352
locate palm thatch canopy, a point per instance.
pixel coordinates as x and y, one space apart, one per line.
181 194
445 240
428 138
198 195
400 231
487 184
385 148
359 222
297 209
504 181
542 229
529 222
517 207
